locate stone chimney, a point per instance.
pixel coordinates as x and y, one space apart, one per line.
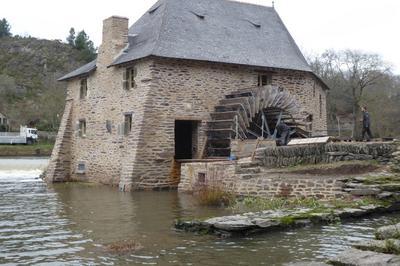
115 38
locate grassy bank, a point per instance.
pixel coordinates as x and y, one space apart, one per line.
38 149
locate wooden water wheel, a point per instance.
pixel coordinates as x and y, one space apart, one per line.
250 114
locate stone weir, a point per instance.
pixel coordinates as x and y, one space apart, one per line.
277 171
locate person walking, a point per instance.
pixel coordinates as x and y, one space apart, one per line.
283 134
366 123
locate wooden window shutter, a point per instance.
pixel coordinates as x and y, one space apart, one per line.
125 82
134 76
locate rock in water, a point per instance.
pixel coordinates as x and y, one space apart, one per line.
355 257
389 231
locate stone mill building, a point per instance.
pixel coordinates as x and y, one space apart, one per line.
180 83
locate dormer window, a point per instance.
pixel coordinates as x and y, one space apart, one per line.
129 78
83 89
264 79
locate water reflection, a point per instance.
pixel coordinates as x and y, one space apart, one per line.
70 223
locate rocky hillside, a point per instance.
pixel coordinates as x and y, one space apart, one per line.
29 69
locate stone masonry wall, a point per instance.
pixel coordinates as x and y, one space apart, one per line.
189 90
197 175
58 169
324 153
247 179
166 90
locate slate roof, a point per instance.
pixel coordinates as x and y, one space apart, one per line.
211 30
83 70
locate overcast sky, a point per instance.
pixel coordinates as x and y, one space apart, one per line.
316 25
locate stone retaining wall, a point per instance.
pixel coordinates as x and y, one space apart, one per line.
252 179
324 153
194 176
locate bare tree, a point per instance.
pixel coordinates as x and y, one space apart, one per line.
355 70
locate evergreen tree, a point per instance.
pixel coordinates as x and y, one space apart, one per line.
4 28
82 43
71 37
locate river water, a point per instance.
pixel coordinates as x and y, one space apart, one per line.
70 224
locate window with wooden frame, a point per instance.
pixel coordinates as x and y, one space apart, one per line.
83 89
129 76
264 79
82 128
127 124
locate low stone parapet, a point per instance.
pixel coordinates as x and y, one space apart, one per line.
256 178
325 153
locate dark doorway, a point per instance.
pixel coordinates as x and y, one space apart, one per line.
185 139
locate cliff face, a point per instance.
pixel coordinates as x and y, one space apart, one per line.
29 68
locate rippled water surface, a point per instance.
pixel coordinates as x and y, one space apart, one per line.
69 224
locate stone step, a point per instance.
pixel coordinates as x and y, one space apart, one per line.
252 170
248 165
249 176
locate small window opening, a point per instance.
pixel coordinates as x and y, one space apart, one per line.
255 24
83 89
129 78
127 124
81 168
108 126
309 121
82 128
199 15
151 11
264 79
201 178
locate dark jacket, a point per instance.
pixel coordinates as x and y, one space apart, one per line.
366 120
282 129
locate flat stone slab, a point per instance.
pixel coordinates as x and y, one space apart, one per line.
249 223
355 257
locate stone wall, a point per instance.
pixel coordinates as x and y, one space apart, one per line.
224 174
253 178
166 90
324 153
59 169
189 90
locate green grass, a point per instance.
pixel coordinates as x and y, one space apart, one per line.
254 204
26 150
259 204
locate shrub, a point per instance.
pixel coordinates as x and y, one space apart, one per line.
214 196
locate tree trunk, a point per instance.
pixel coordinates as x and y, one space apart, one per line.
356 132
